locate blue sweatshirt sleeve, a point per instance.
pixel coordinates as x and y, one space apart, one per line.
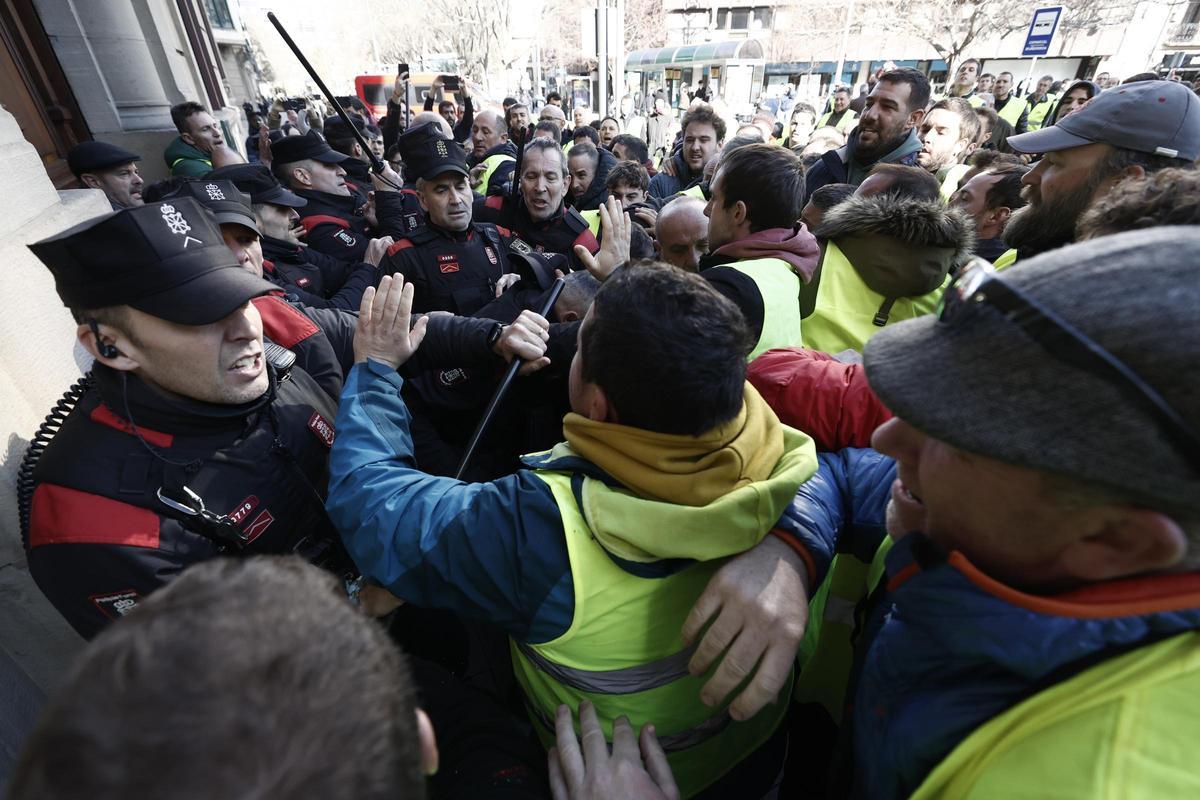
841 508
492 551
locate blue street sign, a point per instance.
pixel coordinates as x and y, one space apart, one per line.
1041 31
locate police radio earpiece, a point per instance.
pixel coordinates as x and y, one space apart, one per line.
106 350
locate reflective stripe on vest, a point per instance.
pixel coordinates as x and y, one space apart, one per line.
492 163
1037 114
1012 110
623 652
827 651
975 101
848 120
592 218
1006 260
846 308
779 286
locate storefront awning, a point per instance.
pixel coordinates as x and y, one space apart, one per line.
693 53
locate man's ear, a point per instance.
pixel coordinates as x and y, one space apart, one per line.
1000 215
914 118
596 405
91 181
302 176
112 337
1124 541
358 151
740 212
429 750
421 200
567 316
187 137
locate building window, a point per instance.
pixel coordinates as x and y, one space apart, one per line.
739 19
218 14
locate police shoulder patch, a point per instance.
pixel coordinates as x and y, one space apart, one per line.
116 604
519 245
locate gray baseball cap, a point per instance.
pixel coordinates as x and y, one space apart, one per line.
982 384
1158 117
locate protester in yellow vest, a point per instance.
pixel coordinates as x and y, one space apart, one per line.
759 254
1031 627
1010 108
1041 101
886 254
948 133
591 558
840 116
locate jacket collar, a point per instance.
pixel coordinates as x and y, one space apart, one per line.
132 399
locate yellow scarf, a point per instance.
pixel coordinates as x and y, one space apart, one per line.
684 470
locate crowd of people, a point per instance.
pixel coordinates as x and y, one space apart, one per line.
853 456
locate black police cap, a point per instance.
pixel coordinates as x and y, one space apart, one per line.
290 149
427 154
334 128
222 199
166 259
93 156
538 268
257 181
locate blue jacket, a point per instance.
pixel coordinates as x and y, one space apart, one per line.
663 185
945 648
491 551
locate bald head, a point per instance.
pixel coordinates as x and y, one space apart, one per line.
553 114
432 116
682 233
487 131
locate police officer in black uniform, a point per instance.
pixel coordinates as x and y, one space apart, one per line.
341 139
337 220
111 169
539 216
317 280
192 435
454 264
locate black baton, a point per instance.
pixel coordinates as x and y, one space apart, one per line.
502 389
376 164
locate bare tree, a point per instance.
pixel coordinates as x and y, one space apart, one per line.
951 27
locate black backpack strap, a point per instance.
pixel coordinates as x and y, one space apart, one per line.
808 291
885 310
574 221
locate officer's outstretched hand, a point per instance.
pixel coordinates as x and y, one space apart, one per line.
760 601
384 330
615 233
525 339
636 769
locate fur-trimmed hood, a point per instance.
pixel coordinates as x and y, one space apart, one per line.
900 246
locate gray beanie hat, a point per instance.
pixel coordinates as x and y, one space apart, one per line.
982 384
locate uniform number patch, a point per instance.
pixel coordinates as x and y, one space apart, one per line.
321 429
349 240
448 263
117 604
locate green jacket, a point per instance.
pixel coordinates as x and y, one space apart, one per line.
184 160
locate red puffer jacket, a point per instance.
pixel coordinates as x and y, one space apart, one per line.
828 400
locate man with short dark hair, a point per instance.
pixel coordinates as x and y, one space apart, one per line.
187 441
627 147
822 200
316 279
452 263
540 217
703 135
985 83
1012 109
338 221
948 133
111 169
190 154
589 168
840 115
144 713
759 253
965 80
1145 127
516 117
886 132
888 253
990 198
627 181
574 569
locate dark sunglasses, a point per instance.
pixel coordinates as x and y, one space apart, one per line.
978 283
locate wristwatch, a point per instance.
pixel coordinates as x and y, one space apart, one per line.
494 334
